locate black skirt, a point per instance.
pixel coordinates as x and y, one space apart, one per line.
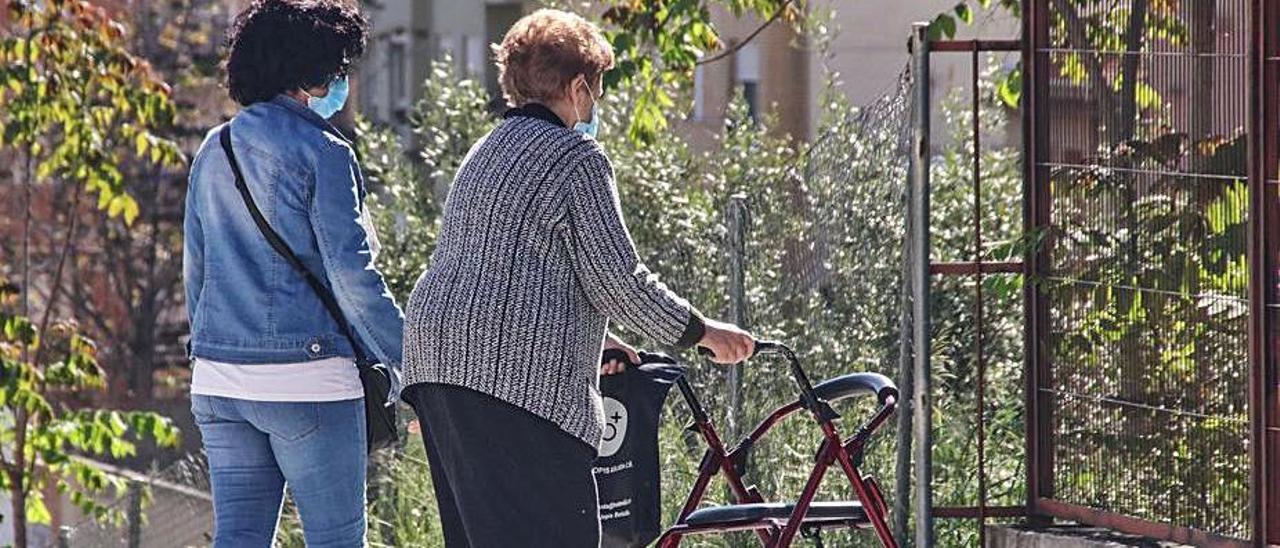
503 476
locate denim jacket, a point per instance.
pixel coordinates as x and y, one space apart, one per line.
246 304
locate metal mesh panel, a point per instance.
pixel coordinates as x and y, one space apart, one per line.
175 506
1148 334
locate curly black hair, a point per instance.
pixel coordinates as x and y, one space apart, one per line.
281 45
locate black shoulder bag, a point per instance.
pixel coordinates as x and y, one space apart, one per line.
379 413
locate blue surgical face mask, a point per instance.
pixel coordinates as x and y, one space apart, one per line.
330 104
589 127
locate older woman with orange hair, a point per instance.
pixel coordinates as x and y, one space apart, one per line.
504 332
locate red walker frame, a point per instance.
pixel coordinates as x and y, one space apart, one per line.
772 531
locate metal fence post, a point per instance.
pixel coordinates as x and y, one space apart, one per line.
736 222
906 384
1036 217
1263 131
918 219
135 513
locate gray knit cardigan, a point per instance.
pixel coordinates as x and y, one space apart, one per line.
532 263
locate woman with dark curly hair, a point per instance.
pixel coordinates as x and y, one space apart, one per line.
275 390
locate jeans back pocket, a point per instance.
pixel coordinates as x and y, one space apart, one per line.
290 421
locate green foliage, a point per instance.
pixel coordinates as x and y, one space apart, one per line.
43 439
447 121
1089 38
1010 88
824 251
449 118
1151 294
74 97
1147 285
403 206
953 319
945 24
657 43
75 102
404 511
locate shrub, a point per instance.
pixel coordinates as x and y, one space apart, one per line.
823 273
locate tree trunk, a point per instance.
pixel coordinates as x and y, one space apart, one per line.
145 317
1127 115
19 498
1099 86
17 487
17 481
1204 34
26 236
142 351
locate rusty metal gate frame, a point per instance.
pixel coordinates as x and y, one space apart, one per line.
1263 183
1263 128
922 271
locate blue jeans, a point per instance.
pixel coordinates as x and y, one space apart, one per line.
255 448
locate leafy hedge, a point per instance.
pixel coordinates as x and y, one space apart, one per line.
823 273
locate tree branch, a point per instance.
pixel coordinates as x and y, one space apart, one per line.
734 48
72 216
85 308
26 236
1077 36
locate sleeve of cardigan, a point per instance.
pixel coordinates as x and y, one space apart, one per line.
604 258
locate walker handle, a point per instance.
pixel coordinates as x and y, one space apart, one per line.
757 348
797 372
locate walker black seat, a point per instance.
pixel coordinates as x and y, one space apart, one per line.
856 384
819 512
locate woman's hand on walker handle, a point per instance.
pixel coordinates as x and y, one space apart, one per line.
728 343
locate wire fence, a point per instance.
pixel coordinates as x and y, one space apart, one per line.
1147 288
171 508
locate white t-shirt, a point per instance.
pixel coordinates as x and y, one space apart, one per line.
328 379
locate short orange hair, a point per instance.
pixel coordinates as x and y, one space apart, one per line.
547 49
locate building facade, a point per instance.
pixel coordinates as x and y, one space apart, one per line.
780 72
409 34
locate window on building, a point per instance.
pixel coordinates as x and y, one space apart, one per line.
463 59
396 98
477 56
746 72
366 90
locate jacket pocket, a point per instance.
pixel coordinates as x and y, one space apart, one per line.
290 421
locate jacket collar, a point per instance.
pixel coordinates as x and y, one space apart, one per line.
296 107
534 110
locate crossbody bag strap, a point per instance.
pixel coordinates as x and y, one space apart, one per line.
277 243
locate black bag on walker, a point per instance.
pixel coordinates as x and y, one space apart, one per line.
626 471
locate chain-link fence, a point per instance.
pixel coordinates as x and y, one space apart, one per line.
171 508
